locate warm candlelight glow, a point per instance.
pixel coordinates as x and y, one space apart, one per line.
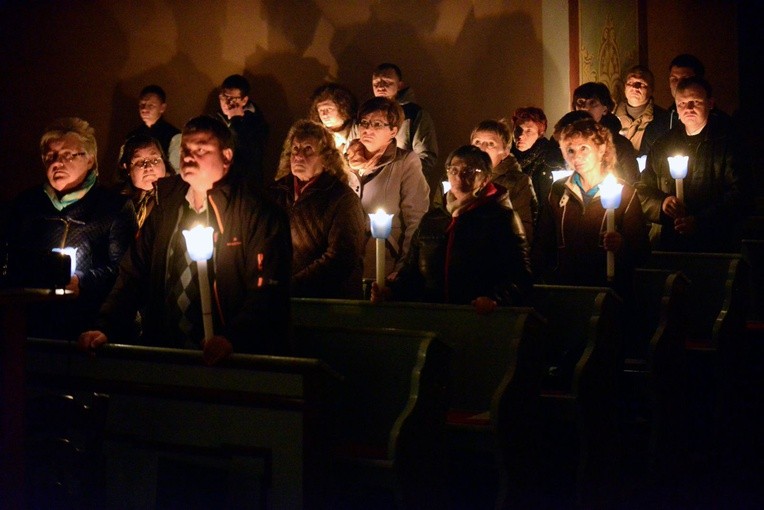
561 174
199 242
381 224
72 253
610 192
446 187
642 162
678 166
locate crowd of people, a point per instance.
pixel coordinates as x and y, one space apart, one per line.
480 230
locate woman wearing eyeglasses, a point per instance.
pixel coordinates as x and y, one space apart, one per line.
325 216
387 178
142 162
472 250
70 210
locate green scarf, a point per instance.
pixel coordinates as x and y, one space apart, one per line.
71 197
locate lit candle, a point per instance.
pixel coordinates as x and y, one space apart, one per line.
678 169
72 253
200 246
642 162
610 197
381 226
446 186
560 174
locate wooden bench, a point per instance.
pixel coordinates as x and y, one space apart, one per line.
753 253
254 427
389 414
495 369
582 342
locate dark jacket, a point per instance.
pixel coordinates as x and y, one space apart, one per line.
568 249
251 132
509 175
716 189
251 267
101 225
162 131
538 163
480 252
645 129
328 237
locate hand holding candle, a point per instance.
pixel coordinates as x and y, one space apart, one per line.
678 169
200 247
381 226
610 196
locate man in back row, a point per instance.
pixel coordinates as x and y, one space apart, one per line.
249 272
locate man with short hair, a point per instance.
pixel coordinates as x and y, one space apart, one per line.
246 121
249 271
152 103
681 67
417 133
709 219
642 121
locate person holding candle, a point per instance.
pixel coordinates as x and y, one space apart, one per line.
248 273
326 217
389 178
472 250
709 218
142 161
572 238
71 212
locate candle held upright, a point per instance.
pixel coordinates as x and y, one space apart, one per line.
200 247
610 196
381 226
678 170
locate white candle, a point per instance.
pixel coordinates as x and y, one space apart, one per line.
642 162
72 253
560 174
381 226
200 248
446 187
678 170
610 197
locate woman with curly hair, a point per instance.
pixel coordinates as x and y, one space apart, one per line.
334 106
326 217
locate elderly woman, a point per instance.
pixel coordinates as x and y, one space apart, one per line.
571 239
494 138
326 217
472 250
533 151
71 210
387 178
334 106
142 161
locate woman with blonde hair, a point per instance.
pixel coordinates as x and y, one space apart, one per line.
325 215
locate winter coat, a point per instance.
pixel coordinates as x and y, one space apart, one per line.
510 176
643 131
328 237
417 133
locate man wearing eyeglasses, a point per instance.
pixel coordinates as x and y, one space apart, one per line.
642 121
417 133
246 121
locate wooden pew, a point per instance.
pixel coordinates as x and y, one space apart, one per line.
388 415
248 433
753 253
579 397
495 369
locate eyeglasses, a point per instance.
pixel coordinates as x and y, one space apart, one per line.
228 99
374 124
462 171
65 157
146 162
637 85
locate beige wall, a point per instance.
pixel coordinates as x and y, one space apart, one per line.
466 60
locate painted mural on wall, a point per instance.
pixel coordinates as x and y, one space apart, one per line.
609 41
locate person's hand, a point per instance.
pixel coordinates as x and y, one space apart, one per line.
89 341
216 349
672 207
233 108
74 285
685 225
484 305
379 294
612 241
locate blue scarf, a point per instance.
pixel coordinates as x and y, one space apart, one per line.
68 199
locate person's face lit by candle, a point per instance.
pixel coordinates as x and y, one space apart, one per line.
492 144
150 108
386 84
464 178
583 156
375 132
637 91
329 114
305 160
202 160
526 135
66 163
146 166
693 107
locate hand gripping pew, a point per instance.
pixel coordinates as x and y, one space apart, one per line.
388 415
249 433
582 345
495 369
